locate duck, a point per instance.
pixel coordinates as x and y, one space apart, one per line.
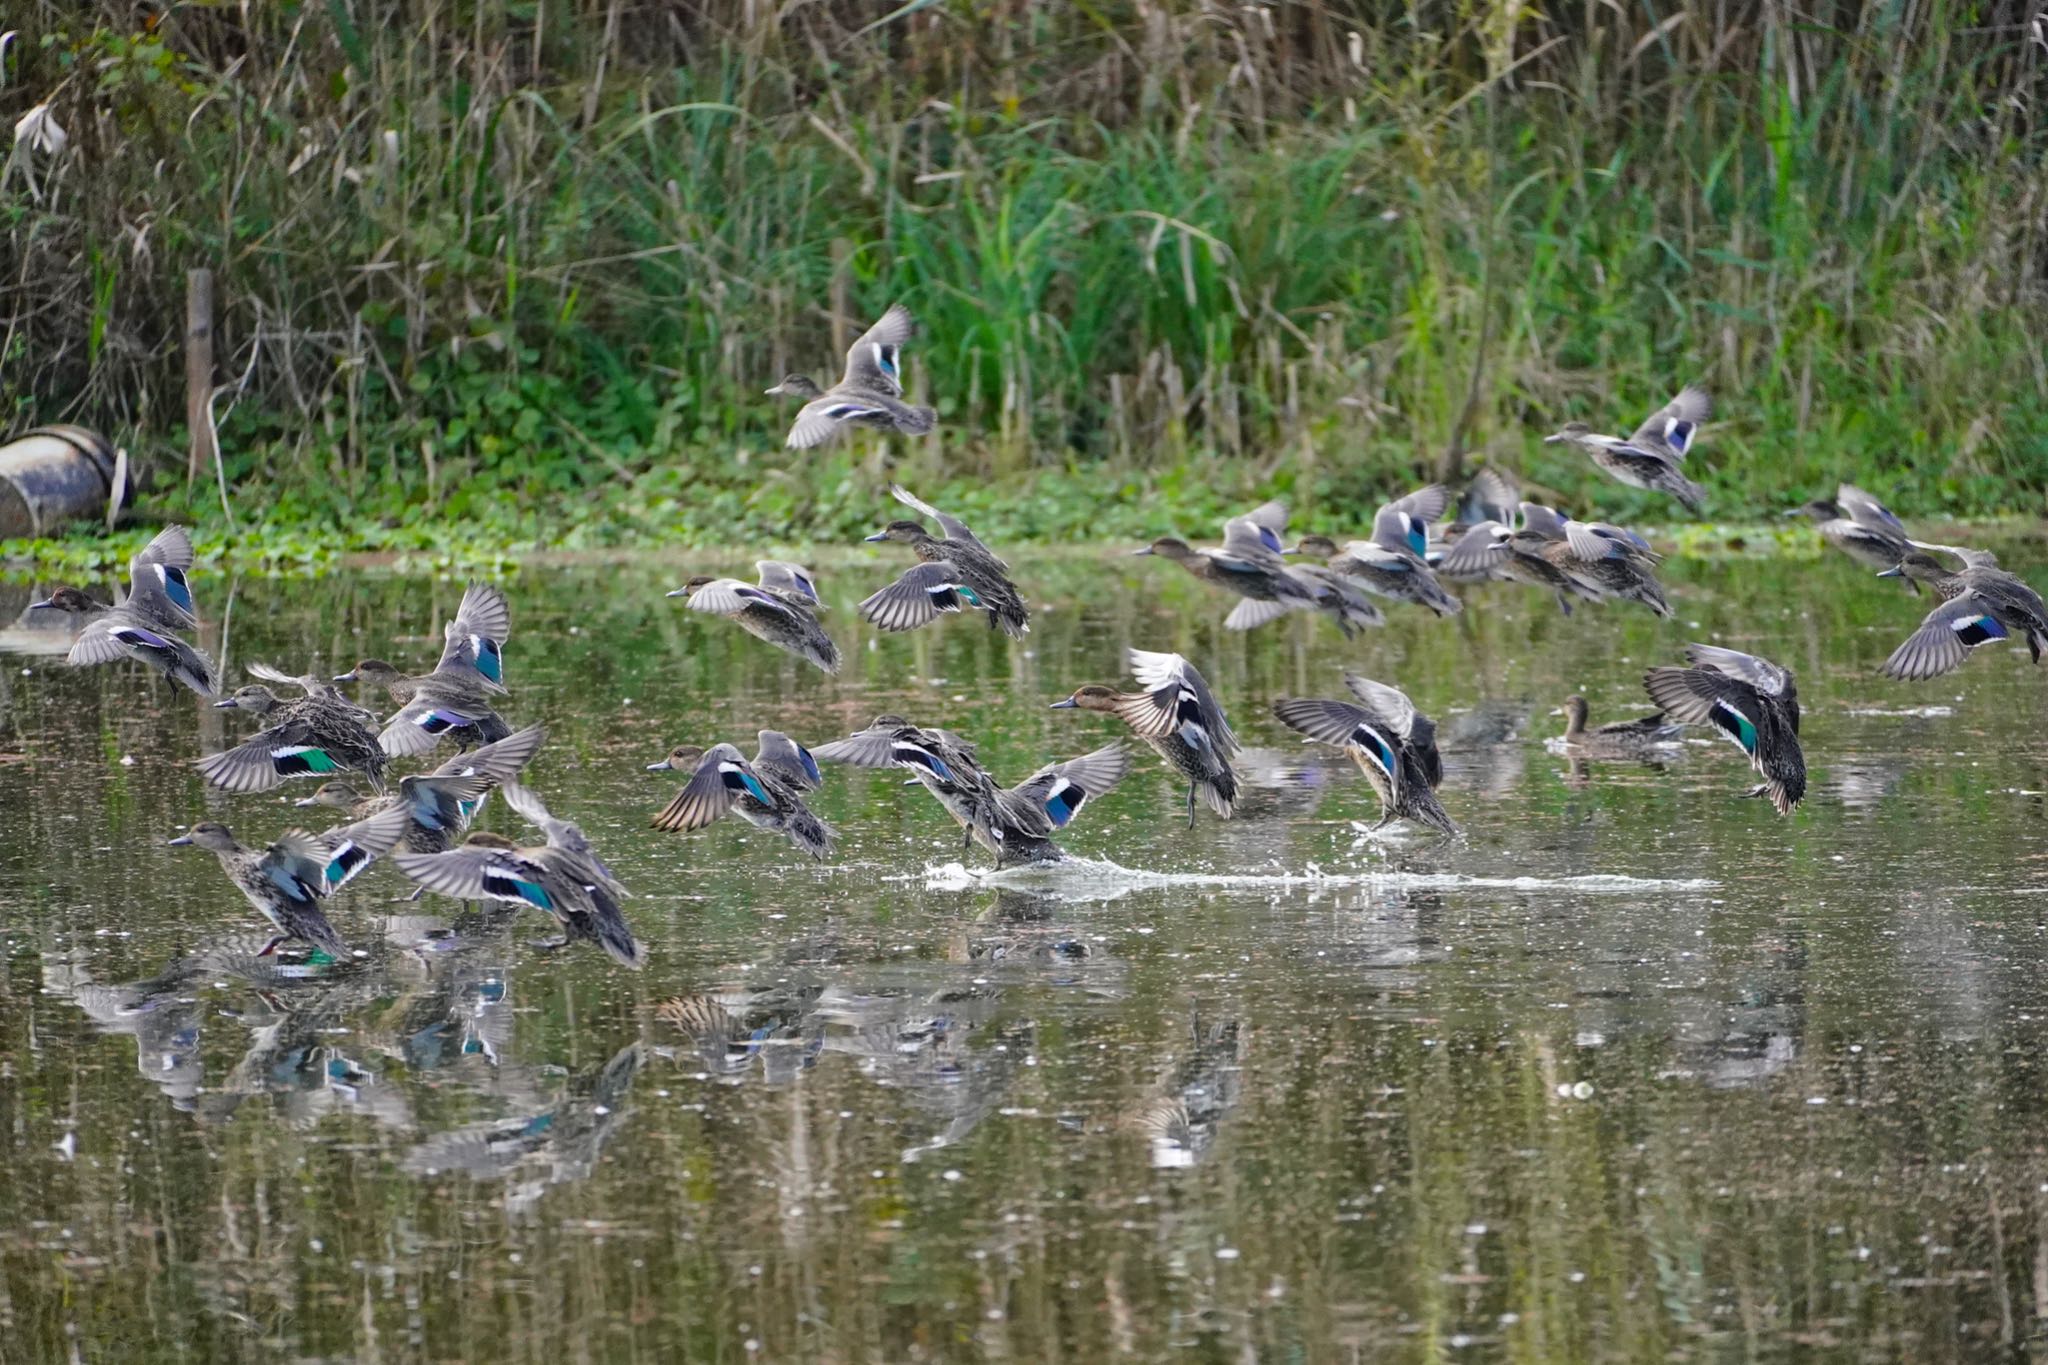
431 706
1860 527
1393 744
767 793
144 625
1017 823
1341 600
1979 604
1489 495
1751 700
781 608
318 734
869 394
1393 563
442 803
983 578
1652 458
1178 717
1616 739
1517 550
286 881
1615 562
1249 565
564 876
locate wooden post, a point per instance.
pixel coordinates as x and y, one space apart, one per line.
199 371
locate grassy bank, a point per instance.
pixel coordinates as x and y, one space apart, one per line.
527 271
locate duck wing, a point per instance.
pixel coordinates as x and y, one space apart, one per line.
783 757
709 793
819 420
1766 677
1944 640
781 576
1865 510
1353 728
923 593
1050 798
874 747
157 581
874 360
474 641
351 848
731 596
501 760
1676 423
1478 553
1176 697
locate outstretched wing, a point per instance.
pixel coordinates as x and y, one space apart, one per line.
1678 421
1705 696
875 360
1944 639
703 799
475 639
1865 510
1349 727
730 597
157 577
418 727
1053 796
500 761
1389 704
779 575
819 420
1765 676
1176 698
1424 504
1476 554
924 592
351 848
874 747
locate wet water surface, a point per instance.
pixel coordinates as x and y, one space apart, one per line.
1634 1071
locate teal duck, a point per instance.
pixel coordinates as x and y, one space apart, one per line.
1651 458
782 609
916 598
564 877
1751 700
1393 744
869 394
1249 565
315 735
454 700
287 881
442 803
1518 550
1337 597
1639 738
1178 716
1980 604
1394 562
144 625
767 793
1860 527
1615 562
1017 823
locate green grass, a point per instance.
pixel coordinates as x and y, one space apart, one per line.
531 280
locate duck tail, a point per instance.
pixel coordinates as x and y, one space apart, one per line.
915 421
809 833
608 928
1219 792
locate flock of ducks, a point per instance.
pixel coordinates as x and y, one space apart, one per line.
422 821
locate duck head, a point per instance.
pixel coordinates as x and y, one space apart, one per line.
209 836
1316 547
1918 567
66 599
902 532
795 386
371 671
1093 697
684 758
337 794
690 588
1570 431
1169 547
255 698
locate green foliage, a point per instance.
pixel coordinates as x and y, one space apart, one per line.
486 273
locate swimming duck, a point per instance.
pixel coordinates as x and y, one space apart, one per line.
1616 739
1393 744
318 734
1980 604
1248 565
869 394
1014 823
1859 526
440 804
1392 564
1751 700
1652 457
767 793
143 625
1179 718
782 608
287 881
564 877
984 579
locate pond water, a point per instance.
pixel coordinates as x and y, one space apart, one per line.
1634 1071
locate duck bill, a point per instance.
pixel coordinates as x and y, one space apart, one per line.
775 392
182 841
679 592
876 538
662 767
1292 550
1895 571
1146 551
307 801
349 676
45 605
1068 705
226 704
1554 438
